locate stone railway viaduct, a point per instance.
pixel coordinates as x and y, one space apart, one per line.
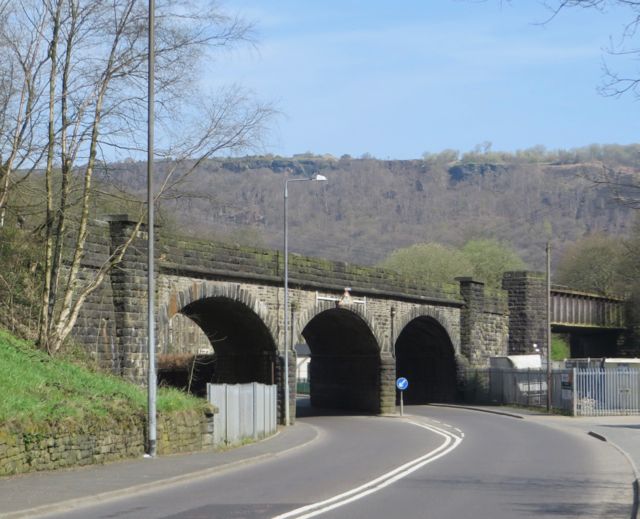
225 303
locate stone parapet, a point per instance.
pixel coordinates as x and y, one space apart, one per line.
210 259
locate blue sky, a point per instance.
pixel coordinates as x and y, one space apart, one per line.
397 79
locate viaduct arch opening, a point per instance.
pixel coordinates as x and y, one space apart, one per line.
243 347
344 370
425 356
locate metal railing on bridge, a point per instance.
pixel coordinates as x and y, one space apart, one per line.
579 392
570 308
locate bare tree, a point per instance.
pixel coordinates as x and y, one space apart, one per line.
89 101
616 83
624 183
24 55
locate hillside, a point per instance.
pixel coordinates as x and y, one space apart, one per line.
38 389
370 207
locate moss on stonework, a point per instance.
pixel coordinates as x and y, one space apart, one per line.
210 253
496 293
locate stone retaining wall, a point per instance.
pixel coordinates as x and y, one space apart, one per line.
30 448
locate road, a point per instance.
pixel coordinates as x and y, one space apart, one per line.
440 463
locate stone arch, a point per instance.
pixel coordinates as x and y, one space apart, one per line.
179 299
436 314
238 326
303 317
346 357
428 355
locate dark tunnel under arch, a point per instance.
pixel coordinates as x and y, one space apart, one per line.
344 370
425 356
244 349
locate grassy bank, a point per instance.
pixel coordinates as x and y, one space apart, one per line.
37 388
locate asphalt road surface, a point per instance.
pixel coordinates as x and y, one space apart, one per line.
437 463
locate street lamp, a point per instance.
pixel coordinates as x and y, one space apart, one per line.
151 340
548 331
315 178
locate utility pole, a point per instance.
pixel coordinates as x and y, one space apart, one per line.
548 327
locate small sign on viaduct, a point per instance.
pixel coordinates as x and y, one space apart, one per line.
227 301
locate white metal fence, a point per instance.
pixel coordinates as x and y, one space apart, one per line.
602 392
584 392
244 411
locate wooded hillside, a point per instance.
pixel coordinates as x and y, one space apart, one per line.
370 207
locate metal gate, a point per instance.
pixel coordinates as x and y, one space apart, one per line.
602 392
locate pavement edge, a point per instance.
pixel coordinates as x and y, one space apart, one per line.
480 410
96 499
636 482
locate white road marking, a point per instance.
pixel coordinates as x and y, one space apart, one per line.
451 441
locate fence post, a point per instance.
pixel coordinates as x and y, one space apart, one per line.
255 410
226 414
574 390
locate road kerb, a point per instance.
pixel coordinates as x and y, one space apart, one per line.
597 436
480 409
635 484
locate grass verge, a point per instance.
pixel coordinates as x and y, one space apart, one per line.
37 388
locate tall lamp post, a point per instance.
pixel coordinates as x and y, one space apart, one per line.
548 331
315 178
151 344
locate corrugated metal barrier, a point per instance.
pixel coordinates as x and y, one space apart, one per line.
245 411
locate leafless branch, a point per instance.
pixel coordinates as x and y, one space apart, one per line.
73 93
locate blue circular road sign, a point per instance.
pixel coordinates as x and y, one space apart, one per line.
402 383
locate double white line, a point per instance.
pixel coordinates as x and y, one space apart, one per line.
451 441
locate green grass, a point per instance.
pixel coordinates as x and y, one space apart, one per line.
559 348
38 388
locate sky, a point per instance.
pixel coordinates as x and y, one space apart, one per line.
398 79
